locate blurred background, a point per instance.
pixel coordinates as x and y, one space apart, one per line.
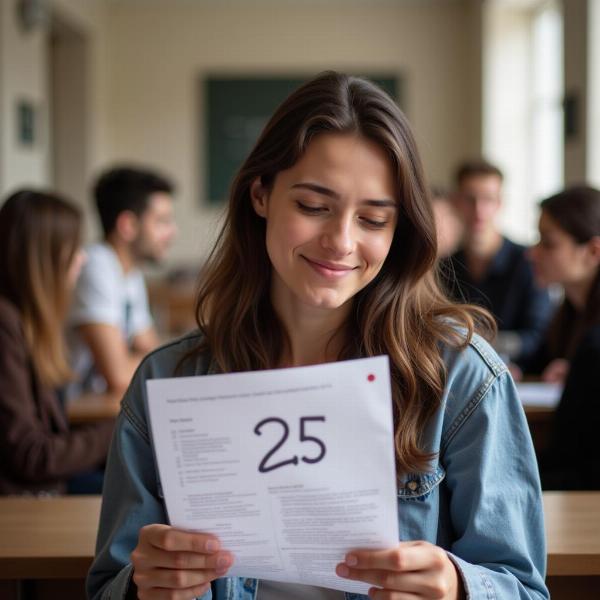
169 84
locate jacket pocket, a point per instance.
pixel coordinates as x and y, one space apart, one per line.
418 486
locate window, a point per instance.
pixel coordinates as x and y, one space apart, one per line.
522 106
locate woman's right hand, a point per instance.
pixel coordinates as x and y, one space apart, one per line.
172 564
556 371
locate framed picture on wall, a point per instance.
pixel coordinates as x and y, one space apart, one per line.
26 123
235 111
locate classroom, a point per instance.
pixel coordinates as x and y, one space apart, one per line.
213 213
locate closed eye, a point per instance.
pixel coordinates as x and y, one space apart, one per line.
311 210
373 223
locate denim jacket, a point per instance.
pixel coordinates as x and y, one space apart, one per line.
480 501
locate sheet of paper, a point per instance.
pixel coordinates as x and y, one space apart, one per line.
540 394
290 468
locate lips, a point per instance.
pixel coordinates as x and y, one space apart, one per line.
328 269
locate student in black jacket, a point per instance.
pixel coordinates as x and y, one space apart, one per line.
493 271
568 253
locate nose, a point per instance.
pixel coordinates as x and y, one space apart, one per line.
479 209
339 237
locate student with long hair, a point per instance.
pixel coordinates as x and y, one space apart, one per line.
568 254
327 253
40 258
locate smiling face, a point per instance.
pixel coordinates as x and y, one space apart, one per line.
330 221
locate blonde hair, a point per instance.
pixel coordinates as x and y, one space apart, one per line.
39 236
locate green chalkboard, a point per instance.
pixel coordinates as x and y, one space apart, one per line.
236 110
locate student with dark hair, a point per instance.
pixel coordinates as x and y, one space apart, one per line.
40 258
111 325
568 254
328 252
492 271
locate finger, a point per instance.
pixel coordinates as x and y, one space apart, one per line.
427 584
155 557
168 594
379 594
173 579
169 538
406 556
383 579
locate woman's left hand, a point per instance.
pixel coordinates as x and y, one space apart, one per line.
410 571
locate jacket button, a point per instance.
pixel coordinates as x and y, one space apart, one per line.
412 485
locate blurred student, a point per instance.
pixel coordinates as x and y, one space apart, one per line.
40 258
492 271
447 224
112 326
568 253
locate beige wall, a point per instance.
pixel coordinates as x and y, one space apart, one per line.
593 158
23 77
157 56
24 74
576 84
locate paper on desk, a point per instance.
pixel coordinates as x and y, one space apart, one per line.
290 468
539 394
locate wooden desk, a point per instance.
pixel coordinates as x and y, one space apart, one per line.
573 537
46 546
573 532
93 407
54 539
47 537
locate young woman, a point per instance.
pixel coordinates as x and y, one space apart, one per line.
327 253
40 259
568 254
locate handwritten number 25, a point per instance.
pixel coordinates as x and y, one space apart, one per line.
264 468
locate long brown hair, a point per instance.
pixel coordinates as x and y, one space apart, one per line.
575 210
39 236
401 313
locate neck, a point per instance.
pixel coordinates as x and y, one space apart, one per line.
578 293
315 334
123 252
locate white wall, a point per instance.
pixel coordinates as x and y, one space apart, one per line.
158 55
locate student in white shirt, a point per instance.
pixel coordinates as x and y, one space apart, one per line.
111 325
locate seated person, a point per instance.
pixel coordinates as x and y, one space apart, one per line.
492 271
447 224
568 253
40 258
112 328
337 260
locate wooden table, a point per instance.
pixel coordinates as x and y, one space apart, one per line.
573 536
46 546
52 540
93 407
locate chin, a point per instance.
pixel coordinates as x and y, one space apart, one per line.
326 301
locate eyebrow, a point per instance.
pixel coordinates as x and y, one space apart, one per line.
324 191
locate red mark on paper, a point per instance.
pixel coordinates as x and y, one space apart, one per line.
371 377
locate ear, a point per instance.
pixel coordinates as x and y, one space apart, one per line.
259 197
127 225
594 249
